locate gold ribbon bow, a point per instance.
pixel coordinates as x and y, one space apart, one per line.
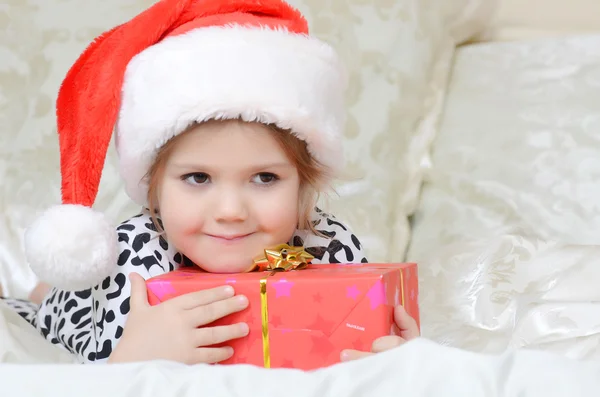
281 258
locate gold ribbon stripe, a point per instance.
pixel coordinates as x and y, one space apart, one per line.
264 312
281 258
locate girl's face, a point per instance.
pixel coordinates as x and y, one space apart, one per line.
228 191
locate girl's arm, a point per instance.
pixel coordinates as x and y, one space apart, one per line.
141 251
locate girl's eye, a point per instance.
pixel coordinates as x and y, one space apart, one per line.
197 178
265 178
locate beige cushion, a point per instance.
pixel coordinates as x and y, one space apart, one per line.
525 19
45 41
466 19
398 55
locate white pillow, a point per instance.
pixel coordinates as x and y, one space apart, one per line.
512 199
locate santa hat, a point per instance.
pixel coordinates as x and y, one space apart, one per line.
178 62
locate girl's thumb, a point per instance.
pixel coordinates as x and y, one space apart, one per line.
139 295
407 325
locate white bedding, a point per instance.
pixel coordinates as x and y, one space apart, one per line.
420 368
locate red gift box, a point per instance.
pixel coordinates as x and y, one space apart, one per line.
313 314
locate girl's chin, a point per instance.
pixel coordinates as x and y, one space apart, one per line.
227 266
226 259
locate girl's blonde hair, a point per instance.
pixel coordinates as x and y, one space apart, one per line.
311 174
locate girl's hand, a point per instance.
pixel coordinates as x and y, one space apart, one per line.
408 330
38 294
169 331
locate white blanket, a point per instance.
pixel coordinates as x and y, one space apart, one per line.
418 369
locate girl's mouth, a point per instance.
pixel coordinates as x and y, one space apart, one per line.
229 238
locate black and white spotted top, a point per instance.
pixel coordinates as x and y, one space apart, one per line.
89 323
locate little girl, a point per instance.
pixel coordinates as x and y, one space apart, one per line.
228 120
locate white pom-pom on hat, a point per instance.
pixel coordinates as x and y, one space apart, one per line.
72 247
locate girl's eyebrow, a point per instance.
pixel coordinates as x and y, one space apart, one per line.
208 168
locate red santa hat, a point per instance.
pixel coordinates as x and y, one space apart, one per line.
178 62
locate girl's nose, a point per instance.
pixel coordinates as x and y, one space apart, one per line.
230 206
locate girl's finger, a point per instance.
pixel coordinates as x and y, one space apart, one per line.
195 299
139 294
408 326
386 343
209 336
351 355
211 355
204 315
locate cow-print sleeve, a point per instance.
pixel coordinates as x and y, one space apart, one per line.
335 243
64 318
142 251
24 308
